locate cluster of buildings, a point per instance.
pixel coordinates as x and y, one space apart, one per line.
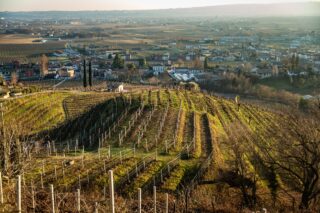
183 59
43 69
252 55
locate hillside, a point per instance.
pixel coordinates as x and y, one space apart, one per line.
205 152
43 111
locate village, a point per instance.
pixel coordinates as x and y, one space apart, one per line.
154 60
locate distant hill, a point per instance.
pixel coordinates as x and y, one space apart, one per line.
240 10
249 10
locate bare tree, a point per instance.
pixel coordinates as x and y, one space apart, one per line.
197 63
12 146
14 78
296 156
44 65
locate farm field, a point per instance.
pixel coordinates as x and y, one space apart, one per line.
183 144
16 39
31 51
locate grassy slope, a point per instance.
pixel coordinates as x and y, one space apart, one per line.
44 111
283 83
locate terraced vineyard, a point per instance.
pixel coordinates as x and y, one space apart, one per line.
185 144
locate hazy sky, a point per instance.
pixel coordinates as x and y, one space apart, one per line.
33 5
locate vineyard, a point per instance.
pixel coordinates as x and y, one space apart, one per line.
159 150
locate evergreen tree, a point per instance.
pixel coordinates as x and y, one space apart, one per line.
90 74
118 62
206 65
84 74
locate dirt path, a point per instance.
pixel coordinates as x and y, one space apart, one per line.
205 136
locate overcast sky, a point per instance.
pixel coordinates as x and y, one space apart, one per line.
43 5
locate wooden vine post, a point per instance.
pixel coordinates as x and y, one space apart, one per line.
111 190
140 200
19 209
1 190
155 199
96 207
52 198
33 197
78 200
167 203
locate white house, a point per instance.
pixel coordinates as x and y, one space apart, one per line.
66 72
261 73
115 87
166 57
157 69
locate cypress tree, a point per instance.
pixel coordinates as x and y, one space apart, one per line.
84 74
206 65
90 74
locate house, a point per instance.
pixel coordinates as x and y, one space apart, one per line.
264 56
67 72
261 73
264 73
184 74
291 74
127 56
115 87
166 57
202 58
157 69
189 46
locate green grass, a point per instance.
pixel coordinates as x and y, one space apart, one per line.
144 177
43 111
176 176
